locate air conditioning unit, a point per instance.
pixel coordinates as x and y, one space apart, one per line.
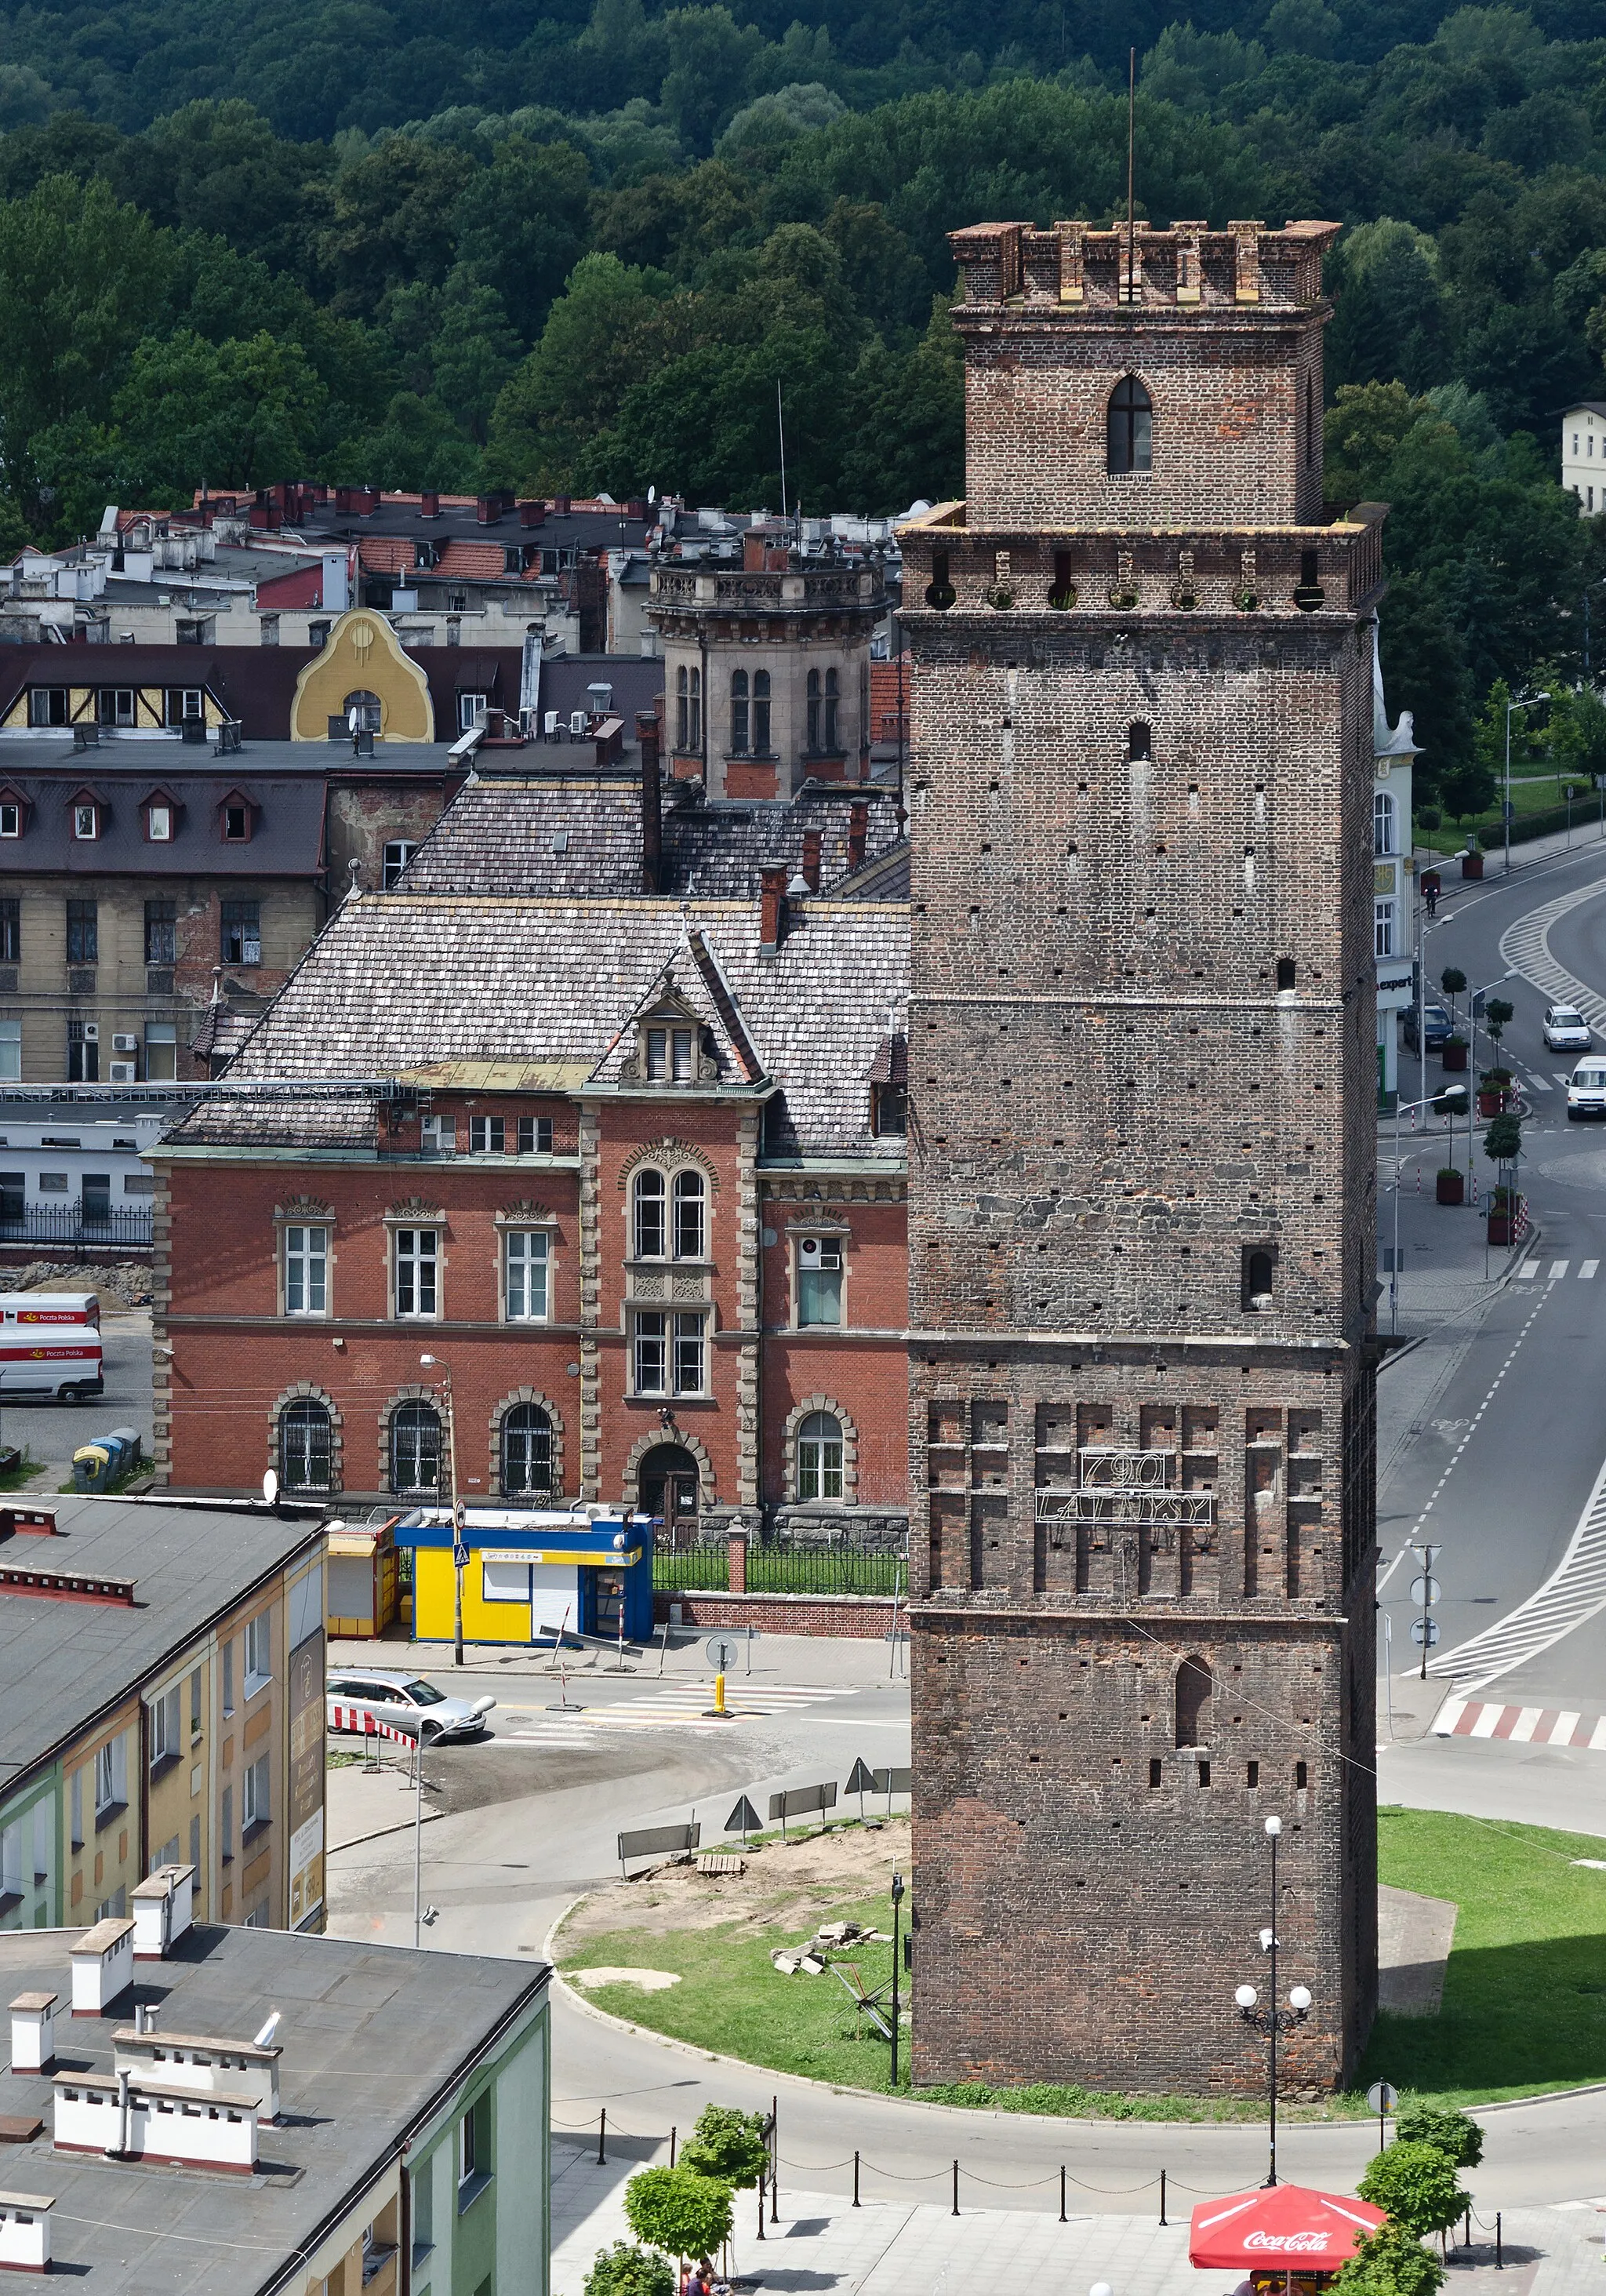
125 1044
820 1252
92 1032
577 722
125 1072
549 725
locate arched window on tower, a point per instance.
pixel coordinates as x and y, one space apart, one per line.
1193 1703
1131 428
1385 816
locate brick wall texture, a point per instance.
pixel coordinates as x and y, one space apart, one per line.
1141 1215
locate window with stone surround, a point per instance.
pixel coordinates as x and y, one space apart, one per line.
1130 429
306 1270
417 1264
526 1255
1385 818
820 1455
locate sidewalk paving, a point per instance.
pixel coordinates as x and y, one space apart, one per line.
917 2247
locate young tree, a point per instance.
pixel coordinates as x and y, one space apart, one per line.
623 2270
686 2214
727 2144
1415 2184
1457 2134
1389 2262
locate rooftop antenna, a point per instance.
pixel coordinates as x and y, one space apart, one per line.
780 428
1131 147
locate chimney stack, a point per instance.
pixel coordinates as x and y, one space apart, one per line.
652 808
34 2033
858 831
102 1966
772 909
812 839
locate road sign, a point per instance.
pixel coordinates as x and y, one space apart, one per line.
722 1650
863 1780
460 1558
743 1819
1424 1633
1426 1592
1382 2098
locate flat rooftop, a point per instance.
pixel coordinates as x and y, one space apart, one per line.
66 1661
371 2036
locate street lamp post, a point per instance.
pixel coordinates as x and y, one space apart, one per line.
459 1552
1523 701
1273 2021
897 1899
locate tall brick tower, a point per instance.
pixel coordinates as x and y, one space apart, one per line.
1141 1068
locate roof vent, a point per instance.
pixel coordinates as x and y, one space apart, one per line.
164 1906
103 1967
34 2032
25 2231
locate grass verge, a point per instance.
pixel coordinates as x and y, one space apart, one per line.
1524 2001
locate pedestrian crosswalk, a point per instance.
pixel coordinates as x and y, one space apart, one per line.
1558 1271
1522 1725
667 1706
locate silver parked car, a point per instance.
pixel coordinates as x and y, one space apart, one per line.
1566 1031
408 1703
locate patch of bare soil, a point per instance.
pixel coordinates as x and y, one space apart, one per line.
787 1885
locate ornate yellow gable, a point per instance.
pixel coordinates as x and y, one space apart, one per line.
362 659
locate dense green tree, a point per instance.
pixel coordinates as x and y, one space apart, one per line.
623 2270
727 2144
678 2211
521 223
602 334
1415 2187
1390 2262
390 221
1457 2134
237 414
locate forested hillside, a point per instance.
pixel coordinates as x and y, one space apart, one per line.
577 250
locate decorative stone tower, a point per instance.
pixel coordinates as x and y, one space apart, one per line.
1142 1071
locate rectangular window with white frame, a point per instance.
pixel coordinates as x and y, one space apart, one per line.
534 1135
417 1251
690 1356
258 1794
670 1353
305 1271
526 1259
820 1274
488 1135
164 1725
258 1653
10 1051
1382 913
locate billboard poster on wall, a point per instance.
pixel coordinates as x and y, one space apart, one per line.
307 1779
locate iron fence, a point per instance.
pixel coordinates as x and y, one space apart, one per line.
81 1231
782 1567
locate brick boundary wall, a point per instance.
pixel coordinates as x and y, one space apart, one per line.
866 1617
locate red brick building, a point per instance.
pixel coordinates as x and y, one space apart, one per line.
594 1110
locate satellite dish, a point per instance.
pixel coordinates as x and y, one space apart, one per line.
270 1487
264 2038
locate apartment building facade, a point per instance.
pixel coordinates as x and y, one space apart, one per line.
162 1704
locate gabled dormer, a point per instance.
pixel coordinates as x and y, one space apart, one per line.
87 813
14 810
236 817
673 1046
160 813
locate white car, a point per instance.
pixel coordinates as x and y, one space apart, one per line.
1566 1031
408 1703
1587 1090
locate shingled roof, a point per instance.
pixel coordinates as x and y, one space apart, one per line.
581 833
400 983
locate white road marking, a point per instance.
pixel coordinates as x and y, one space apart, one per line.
674 1705
1562 1076
1529 1267
1539 1083
1524 947
1574 1591
1522 1729
1587 1270
1557 1269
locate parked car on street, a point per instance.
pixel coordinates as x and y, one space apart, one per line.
1435 1027
1566 1031
1587 1090
408 1703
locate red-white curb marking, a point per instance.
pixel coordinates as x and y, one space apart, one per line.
1525 1725
366 1725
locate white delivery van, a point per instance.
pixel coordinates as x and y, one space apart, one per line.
49 1344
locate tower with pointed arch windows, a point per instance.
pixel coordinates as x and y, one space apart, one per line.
1142 1086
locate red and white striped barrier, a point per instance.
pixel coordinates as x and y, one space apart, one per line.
357 1719
1524 1726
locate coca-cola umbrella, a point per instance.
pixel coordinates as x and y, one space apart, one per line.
1278 2227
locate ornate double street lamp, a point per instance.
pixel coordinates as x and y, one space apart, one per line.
1273 2021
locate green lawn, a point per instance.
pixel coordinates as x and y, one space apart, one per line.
1525 1992
1524 2005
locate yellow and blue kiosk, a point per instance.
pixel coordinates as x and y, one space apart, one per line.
530 1576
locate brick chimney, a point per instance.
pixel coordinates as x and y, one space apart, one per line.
812 839
858 830
653 804
533 513
752 552
772 909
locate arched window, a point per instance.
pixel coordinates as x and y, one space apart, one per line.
831 710
306 1445
683 703
738 713
526 1449
813 709
1193 1703
761 713
1131 428
416 1449
649 1225
695 740
1385 814
1257 1267
820 1456
368 712
690 1197
1140 742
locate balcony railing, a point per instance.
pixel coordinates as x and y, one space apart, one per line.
81 1231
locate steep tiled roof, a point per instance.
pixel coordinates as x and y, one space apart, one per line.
387 554
398 983
465 561
581 833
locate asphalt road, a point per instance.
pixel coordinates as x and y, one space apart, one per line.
53 1431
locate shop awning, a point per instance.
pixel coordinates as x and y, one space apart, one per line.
1285 2226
